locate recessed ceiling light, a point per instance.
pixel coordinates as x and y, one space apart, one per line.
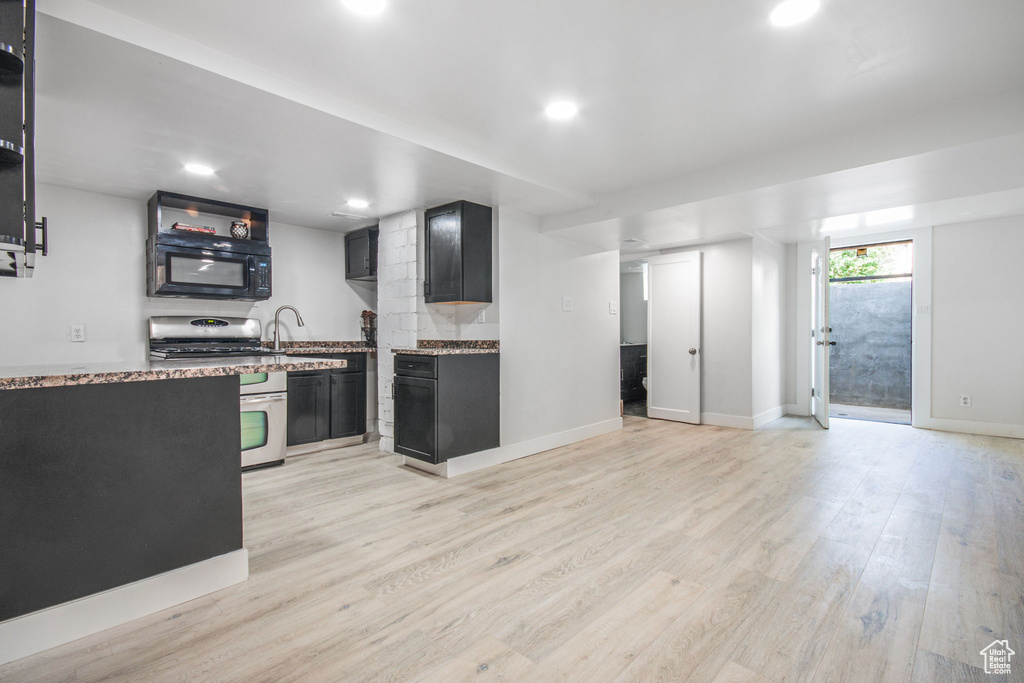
199 169
561 110
792 12
366 8
358 203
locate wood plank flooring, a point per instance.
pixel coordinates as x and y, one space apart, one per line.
664 552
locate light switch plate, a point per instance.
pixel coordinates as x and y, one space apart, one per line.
567 304
613 307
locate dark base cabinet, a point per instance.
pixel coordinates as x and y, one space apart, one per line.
633 369
327 404
446 406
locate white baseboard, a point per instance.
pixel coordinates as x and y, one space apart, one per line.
503 454
38 631
723 420
971 427
761 419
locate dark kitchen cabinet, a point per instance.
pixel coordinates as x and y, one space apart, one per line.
309 405
632 371
446 405
361 254
458 254
348 404
327 404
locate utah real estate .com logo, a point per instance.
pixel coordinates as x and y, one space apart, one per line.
997 657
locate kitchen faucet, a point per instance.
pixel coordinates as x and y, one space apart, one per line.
277 324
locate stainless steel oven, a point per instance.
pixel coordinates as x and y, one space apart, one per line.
217 270
264 413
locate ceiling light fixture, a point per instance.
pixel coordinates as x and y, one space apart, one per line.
358 203
199 169
792 12
365 8
561 110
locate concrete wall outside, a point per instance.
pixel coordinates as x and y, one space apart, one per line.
871 325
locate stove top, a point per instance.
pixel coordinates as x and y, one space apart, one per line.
204 337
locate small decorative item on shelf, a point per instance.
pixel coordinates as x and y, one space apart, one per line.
370 328
240 230
194 228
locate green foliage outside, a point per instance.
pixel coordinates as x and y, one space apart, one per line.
890 259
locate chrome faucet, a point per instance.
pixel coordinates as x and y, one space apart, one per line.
277 324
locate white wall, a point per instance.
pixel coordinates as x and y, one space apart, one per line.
559 371
768 355
95 274
978 321
632 309
790 328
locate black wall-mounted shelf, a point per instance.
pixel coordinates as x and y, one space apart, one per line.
258 219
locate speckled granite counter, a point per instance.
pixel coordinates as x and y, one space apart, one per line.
36 376
313 347
451 347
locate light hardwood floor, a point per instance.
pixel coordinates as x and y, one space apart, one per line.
663 552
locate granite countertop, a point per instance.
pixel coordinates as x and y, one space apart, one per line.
312 347
451 347
35 376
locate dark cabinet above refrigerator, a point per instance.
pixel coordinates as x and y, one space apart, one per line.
458 254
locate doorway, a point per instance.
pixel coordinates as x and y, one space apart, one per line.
659 362
633 297
871 311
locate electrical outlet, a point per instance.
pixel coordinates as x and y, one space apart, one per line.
77 333
965 401
613 307
567 304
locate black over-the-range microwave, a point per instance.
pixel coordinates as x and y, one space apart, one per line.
216 269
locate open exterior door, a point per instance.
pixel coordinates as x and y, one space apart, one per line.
673 337
821 332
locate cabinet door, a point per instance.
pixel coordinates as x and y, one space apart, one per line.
348 404
357 255
308 407
416 417
444 257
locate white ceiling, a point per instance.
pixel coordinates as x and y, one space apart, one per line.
697 120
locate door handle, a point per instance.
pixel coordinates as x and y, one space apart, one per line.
693 352
831 343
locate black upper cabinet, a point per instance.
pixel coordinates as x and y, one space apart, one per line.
458 254
361 254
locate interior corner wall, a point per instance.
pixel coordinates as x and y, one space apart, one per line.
977 322
789 328
768 351
559 370
95 274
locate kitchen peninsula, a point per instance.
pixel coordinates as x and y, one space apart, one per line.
120 491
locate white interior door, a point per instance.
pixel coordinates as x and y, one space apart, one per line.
820 334
673 337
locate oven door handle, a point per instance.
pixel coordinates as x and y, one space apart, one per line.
263 398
